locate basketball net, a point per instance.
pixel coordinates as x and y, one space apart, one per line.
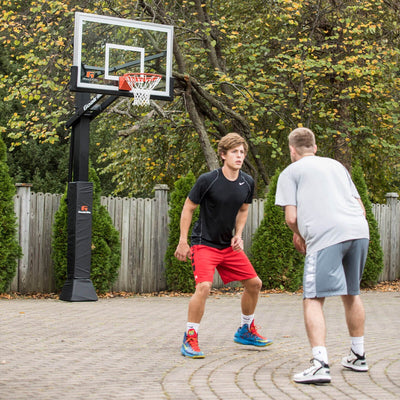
141 84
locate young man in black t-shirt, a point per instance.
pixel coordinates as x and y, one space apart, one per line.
224 196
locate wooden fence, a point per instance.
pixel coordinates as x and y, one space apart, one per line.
143 227
388 218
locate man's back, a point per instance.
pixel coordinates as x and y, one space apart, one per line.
328 211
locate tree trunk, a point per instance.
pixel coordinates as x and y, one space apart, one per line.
209 153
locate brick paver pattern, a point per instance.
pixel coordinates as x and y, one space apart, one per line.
129 348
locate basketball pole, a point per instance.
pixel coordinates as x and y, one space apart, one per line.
78 286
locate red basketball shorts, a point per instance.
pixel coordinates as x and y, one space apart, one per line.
231 265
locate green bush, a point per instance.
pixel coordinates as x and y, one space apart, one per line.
374 263
10 250
179 274
278 264
106 249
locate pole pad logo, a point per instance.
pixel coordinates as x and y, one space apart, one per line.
83 209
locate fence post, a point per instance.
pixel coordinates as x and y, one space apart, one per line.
23 213
394 235
161 196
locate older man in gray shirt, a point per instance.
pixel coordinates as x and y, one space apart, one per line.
325 212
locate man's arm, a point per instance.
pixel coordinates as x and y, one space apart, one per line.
241 218
291 220
182 251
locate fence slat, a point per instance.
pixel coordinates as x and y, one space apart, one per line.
133 255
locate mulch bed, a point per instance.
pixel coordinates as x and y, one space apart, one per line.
393 286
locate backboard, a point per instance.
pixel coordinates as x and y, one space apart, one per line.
105 48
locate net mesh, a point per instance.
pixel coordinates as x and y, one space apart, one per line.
141 84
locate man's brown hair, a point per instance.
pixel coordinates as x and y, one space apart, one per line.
302 139
230 141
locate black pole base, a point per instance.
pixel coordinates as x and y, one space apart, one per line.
78 290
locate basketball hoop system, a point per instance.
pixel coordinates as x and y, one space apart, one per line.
141 84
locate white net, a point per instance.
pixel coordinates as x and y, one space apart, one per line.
141 84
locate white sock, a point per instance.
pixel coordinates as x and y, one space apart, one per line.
247 319
320 353
357 345
192 325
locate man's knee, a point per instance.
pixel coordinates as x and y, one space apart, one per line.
253 285
203 289
352 303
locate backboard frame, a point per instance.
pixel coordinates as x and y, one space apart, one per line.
110 74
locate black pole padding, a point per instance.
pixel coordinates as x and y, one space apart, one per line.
78 286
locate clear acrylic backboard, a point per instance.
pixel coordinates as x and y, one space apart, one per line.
106 48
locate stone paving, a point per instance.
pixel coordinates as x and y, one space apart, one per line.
129 348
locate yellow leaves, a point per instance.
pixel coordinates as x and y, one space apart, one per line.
60 42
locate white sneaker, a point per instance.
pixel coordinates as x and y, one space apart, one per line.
355 362
318 373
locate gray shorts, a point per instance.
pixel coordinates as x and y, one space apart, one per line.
335 270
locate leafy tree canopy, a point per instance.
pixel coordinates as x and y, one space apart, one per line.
258 68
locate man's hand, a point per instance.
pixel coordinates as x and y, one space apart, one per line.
299 243
182 252
237 243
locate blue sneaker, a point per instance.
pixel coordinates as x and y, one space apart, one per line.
190 345
250 336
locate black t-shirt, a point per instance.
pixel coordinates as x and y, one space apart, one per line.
220 200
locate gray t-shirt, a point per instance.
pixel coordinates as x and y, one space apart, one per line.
328 211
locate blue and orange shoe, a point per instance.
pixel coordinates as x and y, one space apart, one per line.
248 335
190 345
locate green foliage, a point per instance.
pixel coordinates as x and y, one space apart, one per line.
10 250
260 68
278 264
60 242
179 274
105 258
36 78
44 165
156 153
374 263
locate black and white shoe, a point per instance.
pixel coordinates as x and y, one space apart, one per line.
355 362
318 373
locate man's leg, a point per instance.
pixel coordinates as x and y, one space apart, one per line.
314 321
353 263
190 345
250 295
197 303
355 315
247 333
355 319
